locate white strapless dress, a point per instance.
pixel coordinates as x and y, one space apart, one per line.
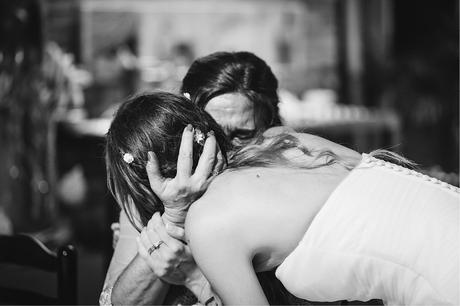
385 233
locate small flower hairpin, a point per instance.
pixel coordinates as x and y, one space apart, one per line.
199 137
128 158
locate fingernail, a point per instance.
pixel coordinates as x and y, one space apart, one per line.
211 133
188 127
150 156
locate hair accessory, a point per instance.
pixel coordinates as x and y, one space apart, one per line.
128 158
199 137
187 95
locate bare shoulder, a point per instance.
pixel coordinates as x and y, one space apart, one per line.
211 224
313 141
320 143
221 197
227 208
276 130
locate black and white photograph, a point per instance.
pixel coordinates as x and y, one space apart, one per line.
229 152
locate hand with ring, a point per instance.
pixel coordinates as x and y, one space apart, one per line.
165 253
178 193
155 247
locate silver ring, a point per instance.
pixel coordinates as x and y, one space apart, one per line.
155 247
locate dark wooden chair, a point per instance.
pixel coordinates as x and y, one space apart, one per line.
26 251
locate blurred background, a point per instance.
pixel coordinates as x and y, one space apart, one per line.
367 73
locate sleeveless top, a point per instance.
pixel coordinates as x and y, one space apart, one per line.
386 233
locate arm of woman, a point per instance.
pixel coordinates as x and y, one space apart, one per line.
129 279
223 255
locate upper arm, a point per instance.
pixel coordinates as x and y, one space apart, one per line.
224 257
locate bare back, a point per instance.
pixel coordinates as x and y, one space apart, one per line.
262 212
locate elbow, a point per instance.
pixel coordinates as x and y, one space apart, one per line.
118 297
115 298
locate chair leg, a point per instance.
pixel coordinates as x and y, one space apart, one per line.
67 276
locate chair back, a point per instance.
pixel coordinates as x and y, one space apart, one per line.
27 251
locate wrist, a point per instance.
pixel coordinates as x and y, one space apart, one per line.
174 218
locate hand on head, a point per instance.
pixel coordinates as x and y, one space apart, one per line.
178 193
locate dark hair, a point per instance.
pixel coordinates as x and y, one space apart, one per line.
235 72
150 122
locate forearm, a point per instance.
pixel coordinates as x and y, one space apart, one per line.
138 285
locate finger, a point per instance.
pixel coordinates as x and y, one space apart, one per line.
156 180
149 242
175 231
172 258
206 161
188 253
157 229
157 259
217 168
220 163
146 256
145 239
142 250
184 160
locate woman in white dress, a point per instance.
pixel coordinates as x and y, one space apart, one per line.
334 223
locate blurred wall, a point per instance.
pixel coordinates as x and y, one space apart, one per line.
297 38
397 54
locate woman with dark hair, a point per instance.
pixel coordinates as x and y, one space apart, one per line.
293 202
242 79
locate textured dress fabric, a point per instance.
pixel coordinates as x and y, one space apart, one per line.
386 233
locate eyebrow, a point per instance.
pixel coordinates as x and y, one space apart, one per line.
243 130
240 130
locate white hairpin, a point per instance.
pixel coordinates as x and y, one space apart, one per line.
128 158
187 95
199 137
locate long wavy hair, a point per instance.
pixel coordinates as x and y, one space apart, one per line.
235 72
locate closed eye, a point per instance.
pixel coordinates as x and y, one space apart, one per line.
242 134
